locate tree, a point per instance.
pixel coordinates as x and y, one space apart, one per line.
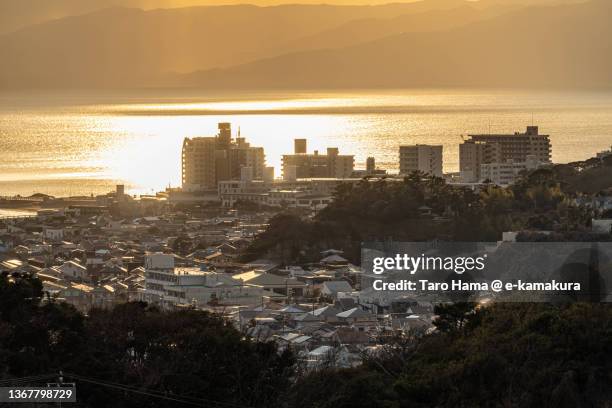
188 354
454 317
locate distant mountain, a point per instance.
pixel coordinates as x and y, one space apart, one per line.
131 47
555 46
422 43
17 14
368 29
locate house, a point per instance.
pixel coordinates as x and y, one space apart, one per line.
12 265
350 336
270 282
319 357
332 288
334 260
332 251
218 258
358 318
74 270
326 313
78 295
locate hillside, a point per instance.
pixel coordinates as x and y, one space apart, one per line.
368 29
427 43
132 47
557 46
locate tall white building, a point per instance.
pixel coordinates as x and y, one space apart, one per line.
420 157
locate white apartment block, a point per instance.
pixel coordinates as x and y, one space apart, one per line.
425 158
501 148
507 173
169 286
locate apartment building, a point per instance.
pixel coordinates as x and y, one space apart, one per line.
208 160
502 149
425 158
198 164
303 165
170 286
504 174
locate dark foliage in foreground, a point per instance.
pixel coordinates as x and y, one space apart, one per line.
513 355
184 354
503 355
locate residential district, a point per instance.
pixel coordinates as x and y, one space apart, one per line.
183 248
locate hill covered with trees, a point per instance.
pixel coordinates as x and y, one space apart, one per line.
421 208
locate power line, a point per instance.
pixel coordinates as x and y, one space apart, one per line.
26 379
180 398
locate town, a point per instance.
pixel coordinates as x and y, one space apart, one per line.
187 247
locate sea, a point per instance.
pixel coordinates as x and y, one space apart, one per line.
85 142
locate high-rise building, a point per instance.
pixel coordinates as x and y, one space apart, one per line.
425 158
330 165
502 148
198 163
208 160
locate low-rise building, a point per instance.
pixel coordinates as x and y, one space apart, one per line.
171 286
508 172
304 165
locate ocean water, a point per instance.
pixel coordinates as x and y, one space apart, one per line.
81 143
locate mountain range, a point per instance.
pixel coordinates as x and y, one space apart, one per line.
428 43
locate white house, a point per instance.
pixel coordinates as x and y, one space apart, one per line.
332 288
53 233
73 270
